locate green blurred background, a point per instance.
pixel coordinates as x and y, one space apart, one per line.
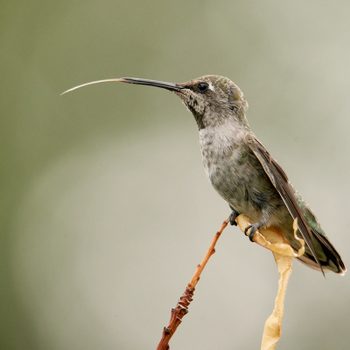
105 208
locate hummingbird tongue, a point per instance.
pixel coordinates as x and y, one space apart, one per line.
129 80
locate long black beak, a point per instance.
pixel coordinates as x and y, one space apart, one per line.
155 83
128 80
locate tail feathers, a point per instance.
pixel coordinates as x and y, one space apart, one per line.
326 253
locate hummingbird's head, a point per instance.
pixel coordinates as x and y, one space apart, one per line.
212 99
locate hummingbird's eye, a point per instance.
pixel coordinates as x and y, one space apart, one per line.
203 87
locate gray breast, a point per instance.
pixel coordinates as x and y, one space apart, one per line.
237 175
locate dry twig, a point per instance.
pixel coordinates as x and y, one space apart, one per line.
181 308
271 239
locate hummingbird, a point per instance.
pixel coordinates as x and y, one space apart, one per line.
242 171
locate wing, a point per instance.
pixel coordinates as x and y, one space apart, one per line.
280 181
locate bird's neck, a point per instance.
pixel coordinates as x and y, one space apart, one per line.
224 135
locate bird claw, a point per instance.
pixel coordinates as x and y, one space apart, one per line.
232 217
253 228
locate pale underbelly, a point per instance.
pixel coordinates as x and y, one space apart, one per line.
247 190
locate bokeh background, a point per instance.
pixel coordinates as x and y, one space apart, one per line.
105 208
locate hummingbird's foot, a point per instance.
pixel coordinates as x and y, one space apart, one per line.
232 217
252 228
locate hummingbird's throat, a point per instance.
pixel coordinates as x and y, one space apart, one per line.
194 105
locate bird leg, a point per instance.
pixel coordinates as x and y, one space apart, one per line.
251 230
233 216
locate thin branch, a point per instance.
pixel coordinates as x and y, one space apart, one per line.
181 308
271 239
